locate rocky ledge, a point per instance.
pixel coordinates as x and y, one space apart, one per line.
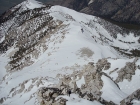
90 89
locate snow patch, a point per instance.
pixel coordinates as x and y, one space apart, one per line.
75 100
80 82
110 91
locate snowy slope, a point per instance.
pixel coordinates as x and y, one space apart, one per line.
75 100
29 4
110 89
68 49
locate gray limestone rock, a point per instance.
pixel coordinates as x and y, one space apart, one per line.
128 100
48 96
103 63
126 72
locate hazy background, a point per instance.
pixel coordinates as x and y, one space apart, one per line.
6 4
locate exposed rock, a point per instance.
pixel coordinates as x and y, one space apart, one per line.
48 96
61 100
85 52
103 63
138 66
22 87
113 70
90 90
1 100
126 72
128 101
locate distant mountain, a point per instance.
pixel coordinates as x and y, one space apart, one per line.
6 4
124 11
72 4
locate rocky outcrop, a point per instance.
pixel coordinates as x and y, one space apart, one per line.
73 4
90 89
25 87
103 63
48 96
127 71
134 96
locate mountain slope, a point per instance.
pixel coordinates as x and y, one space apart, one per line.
126 11
5 5
72 4
120 11
39 43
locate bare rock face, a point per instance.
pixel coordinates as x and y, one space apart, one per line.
126 72
93 83
134 96
103 63
48 96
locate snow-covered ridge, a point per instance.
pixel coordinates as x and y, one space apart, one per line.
29 4
38 44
